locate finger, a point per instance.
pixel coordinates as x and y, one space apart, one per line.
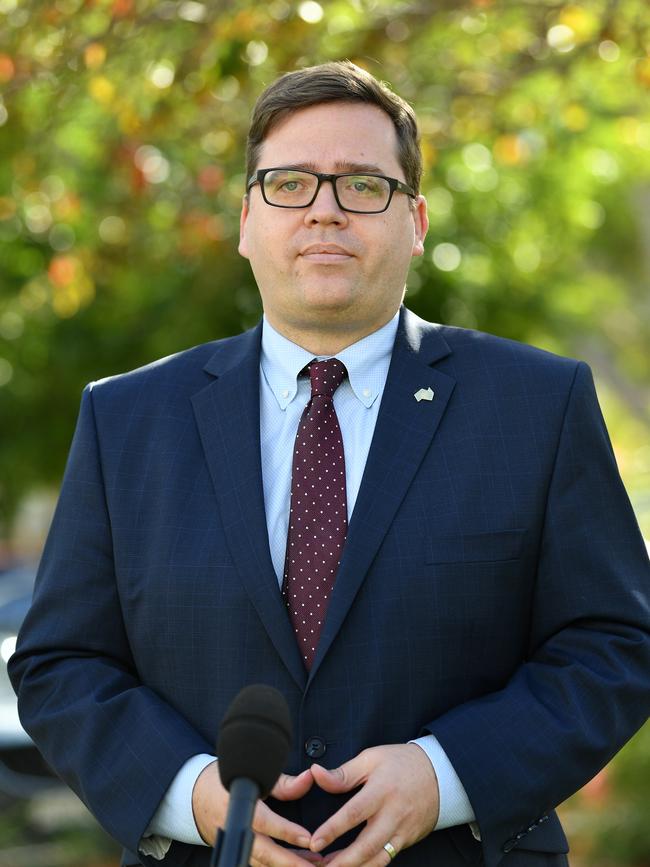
330 857
267 853
270 824
357 810
290 788
310 857
366 851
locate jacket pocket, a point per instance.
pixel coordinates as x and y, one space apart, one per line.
476 547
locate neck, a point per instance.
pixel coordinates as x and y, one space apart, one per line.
322 342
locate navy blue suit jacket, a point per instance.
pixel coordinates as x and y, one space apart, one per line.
494 590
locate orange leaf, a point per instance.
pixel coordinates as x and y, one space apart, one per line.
7 68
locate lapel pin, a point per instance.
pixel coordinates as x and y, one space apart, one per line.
424 394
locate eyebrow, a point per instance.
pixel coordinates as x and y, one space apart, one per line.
340 166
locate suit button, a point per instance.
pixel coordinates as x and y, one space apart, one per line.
315 747
509 845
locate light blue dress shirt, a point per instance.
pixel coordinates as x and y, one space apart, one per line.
283 397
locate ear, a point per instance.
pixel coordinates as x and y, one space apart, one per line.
243 217
421 221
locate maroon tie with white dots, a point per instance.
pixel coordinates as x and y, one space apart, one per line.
318 520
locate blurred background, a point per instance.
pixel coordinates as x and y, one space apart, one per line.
122 129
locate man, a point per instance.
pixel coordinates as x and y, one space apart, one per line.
466 641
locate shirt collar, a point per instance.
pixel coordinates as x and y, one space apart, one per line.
366 361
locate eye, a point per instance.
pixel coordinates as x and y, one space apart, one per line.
363 185
286 183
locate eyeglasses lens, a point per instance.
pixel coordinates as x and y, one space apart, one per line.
293 189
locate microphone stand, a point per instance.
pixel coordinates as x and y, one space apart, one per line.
234 843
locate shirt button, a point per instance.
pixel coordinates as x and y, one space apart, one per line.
285 392
315 747
366 392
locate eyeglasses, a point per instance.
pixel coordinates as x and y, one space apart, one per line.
354 192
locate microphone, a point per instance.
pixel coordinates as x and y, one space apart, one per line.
252 750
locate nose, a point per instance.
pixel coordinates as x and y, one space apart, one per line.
324 208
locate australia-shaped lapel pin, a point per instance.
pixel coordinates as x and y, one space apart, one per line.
424 394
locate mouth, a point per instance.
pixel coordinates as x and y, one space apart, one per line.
326 254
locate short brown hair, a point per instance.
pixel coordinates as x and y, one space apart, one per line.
338 80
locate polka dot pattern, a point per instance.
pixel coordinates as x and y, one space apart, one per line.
318 519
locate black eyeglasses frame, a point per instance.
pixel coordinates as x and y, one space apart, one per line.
393 183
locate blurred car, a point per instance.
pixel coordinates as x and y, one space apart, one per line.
23 771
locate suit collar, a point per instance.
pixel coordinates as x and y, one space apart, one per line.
420 338
233 352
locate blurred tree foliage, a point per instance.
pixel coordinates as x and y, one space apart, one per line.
122 128
622 836
608 819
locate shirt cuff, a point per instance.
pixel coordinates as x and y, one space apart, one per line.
455 808
174 819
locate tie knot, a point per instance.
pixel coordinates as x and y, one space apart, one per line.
326 376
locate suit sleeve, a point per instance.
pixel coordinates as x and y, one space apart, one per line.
584 688
109 737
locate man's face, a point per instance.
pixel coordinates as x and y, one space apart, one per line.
321 269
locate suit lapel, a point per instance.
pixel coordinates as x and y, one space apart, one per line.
227 415
403 433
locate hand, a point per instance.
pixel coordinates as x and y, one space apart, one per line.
210 805
399 801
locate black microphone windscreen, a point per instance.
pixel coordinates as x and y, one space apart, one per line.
255 737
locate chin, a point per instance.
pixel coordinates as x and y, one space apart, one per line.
329 298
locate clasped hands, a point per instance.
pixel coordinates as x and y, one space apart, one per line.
397 800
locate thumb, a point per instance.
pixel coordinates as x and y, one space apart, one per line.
342 779
289 788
